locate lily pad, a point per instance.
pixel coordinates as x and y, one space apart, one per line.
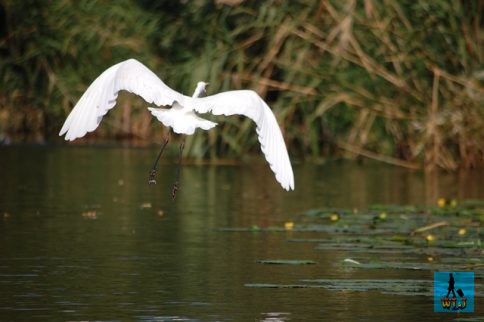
470 319
401 265
264 285
353 247
286 262
395 208
410 287
392 286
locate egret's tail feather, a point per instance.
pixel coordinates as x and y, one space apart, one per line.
180 121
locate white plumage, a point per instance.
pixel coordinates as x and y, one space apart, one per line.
134 77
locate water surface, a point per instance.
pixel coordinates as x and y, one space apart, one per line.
84 237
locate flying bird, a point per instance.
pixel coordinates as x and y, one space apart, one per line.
134 77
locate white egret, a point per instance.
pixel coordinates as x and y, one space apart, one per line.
134 77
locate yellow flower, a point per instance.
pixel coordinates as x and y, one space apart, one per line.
288 225
441 202
383 216
462 231
91 214
453 203
430 238
334 217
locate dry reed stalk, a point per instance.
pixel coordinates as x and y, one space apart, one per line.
379 157
266 66
433 138
278 85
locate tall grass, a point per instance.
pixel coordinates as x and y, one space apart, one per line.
398 81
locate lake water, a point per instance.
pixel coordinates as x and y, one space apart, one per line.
84 237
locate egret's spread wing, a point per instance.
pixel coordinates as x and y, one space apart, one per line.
250 104
100 97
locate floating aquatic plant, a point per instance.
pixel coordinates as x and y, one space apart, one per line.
286 262
392 238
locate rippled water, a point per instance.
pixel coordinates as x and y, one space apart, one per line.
84 237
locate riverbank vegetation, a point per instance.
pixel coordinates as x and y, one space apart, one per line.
397 81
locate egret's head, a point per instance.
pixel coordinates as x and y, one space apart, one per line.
201 89
202 84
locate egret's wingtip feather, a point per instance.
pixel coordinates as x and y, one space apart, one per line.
250 104
101 95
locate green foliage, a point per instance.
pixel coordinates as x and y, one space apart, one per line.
52 49
399 81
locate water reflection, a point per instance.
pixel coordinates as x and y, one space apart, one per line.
86 237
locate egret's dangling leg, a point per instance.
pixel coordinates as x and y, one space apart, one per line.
151 179
178 169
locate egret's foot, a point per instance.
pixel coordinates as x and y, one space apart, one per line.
151 179
174 190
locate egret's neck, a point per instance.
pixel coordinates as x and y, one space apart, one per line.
199 91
